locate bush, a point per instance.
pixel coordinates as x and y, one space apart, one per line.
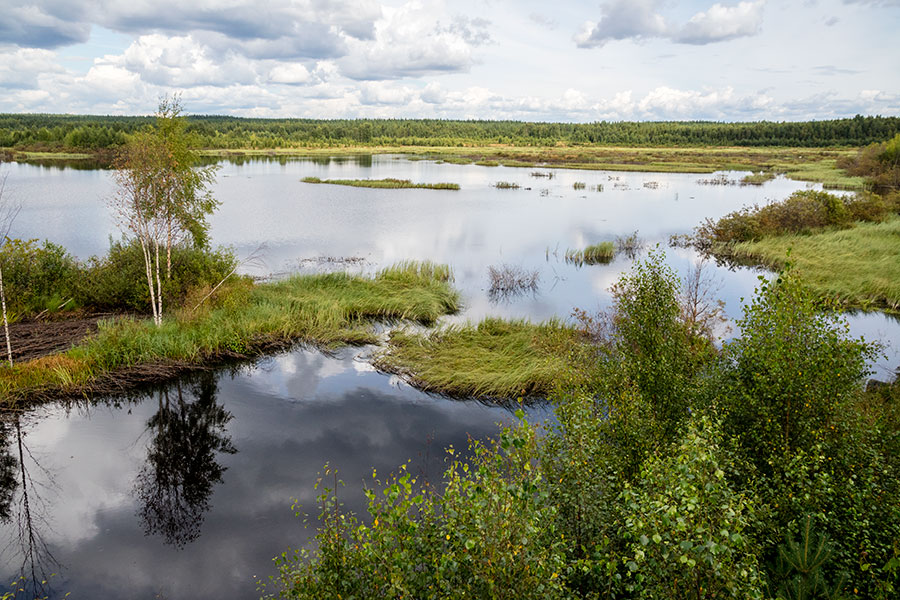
35 276
488 534
802 212
687 528
118 281
789 396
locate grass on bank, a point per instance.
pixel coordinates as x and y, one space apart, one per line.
494 359
326 310
858 267
388 183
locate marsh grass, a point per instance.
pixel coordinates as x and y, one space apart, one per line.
325 310
630 245
579 185
506 185
758 178
508 281
601 253
494 359
387 183
857 267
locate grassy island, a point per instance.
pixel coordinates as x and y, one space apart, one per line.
387 183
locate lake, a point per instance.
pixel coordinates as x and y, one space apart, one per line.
186 491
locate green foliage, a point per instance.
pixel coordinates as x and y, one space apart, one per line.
879 163
651 342
686 527
244 320
49 131
603 252
117 281
805 211
789 374
799 573
495 358
36 276
487 534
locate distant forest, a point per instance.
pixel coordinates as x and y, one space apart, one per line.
75 132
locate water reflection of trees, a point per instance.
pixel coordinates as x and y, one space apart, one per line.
175 485
22 506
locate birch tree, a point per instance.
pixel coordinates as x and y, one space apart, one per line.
8 212
162 198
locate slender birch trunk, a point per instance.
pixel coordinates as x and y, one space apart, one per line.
5 320
158 288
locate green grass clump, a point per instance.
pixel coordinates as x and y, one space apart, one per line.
603 252
506 185
579 185
326 310
387 183
858 267
495 358
758 178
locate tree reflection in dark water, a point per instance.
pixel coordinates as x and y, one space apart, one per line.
21 504
174 486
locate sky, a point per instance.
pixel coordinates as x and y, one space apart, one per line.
560 60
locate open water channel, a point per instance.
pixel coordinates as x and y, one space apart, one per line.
186 491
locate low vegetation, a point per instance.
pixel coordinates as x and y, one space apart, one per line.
806 211
42 278
757 178
387 183
507 185
672 469
243 319
857 267
493 359
601 253
507 281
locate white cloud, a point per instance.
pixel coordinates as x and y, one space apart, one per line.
43 25
410 42
380 92
433 94
623 19
181 61
292 74
640 19
23 67
722 22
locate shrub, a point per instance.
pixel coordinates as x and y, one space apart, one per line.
687 528
488 534
34 274
118 280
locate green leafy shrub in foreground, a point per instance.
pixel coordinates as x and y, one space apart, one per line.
663 477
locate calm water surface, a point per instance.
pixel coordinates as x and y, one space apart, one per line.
186 491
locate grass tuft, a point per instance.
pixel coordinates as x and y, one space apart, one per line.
603 252
495 358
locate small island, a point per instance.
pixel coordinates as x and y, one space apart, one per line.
388 183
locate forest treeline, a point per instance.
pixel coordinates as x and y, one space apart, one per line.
88 132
